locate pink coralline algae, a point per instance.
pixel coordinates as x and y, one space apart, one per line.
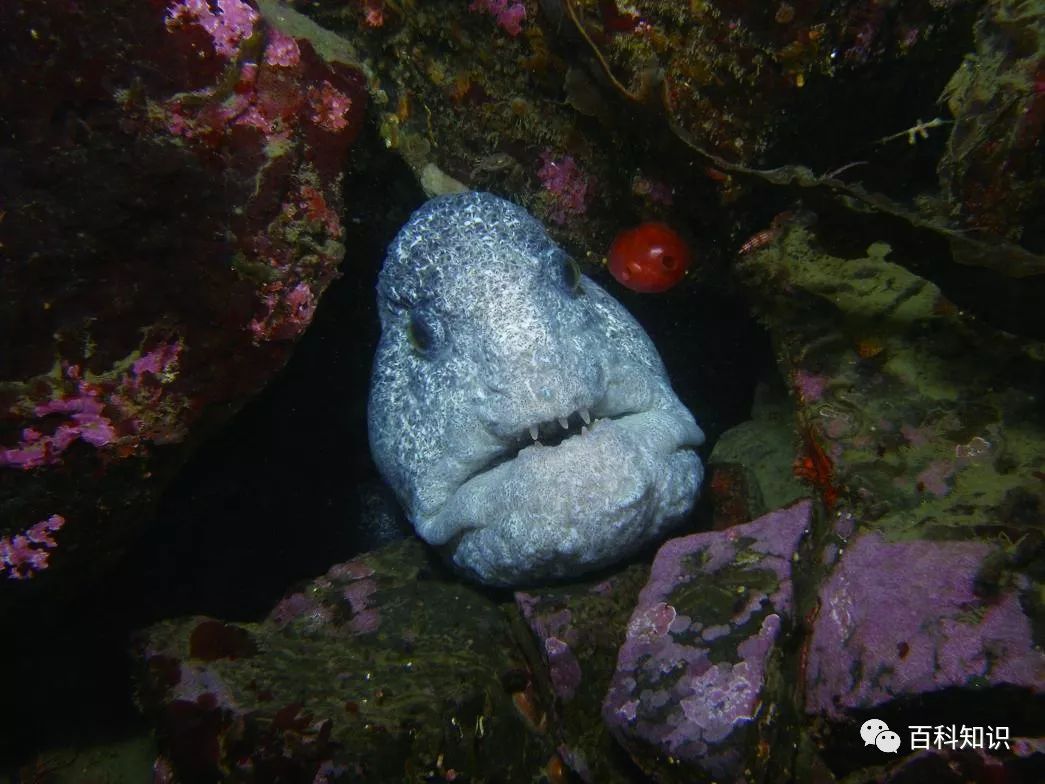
289 311
652 622
876 637
358 594
292 607
351 570
157 362
282 50
279 108
228 28
103 413
728 694
567 187
288 302
810 386
267 96
248 107
25 554
330 107
366 622
558 634
933 478
508 14
692 673
565 670
84 420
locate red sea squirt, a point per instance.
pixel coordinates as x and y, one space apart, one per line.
649 258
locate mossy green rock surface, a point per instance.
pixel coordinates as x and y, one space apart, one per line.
382 670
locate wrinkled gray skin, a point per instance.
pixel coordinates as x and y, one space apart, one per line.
489 334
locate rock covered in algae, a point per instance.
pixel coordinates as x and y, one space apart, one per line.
924 440
992 167
171 216
381 670
899 619
577 631
697 694
750 465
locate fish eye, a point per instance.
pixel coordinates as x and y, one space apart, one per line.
423 333
571 274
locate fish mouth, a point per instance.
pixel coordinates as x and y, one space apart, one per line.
616 467
580 494
546 434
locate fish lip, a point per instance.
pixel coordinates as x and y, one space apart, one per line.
513 446
447 521
550 435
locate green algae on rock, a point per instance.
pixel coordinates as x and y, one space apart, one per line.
924 438
385 668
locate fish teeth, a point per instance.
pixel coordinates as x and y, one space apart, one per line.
534 432
586 416
563 423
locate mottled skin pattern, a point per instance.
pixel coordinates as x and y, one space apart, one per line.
490 335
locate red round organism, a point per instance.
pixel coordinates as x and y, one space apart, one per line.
649 258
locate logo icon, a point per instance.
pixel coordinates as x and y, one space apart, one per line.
876 732
887 741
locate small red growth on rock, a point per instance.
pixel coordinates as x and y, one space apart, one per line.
817 469
291 717
212 640
526 703
615 21
649 258
373 13
808 621
555 770
729 494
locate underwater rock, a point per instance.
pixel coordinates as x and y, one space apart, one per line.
578 630
992 166
171 215
958 766
914 415
750 466
381 670
704 64
923 436
523 417
876 638
602 114
696 695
